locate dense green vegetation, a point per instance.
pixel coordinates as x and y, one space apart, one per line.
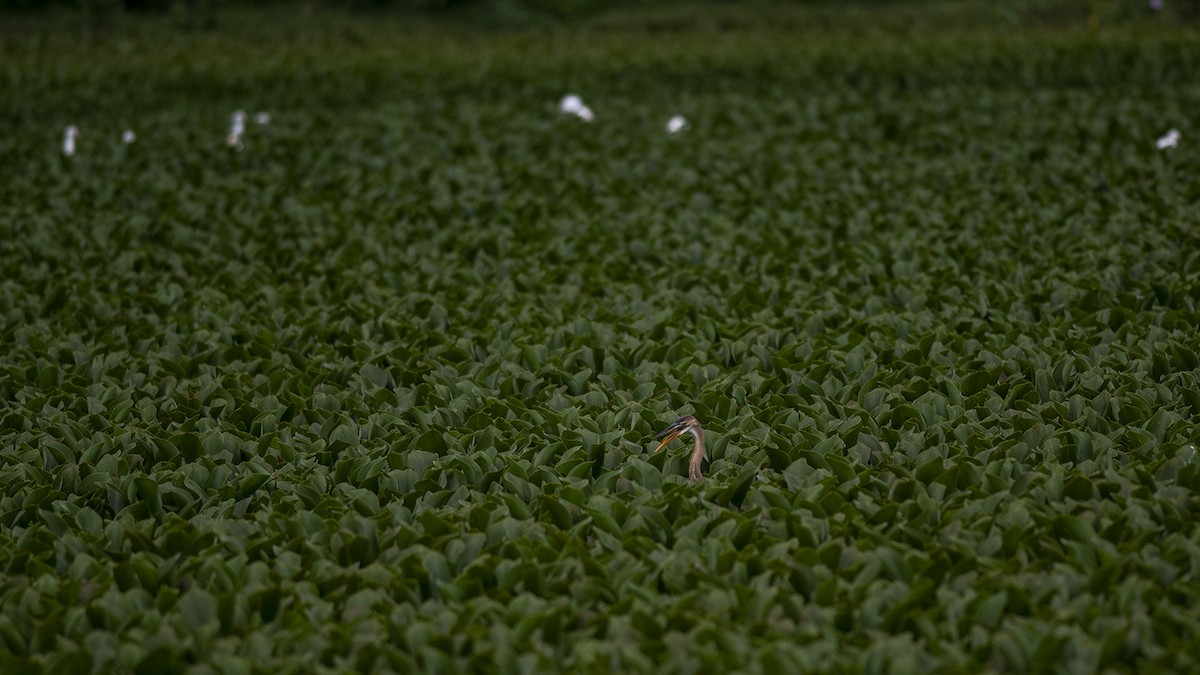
378 391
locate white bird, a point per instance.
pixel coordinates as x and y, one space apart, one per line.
573 105
237 127
262 118
69 136
128 137
570 104
676 124
1168 141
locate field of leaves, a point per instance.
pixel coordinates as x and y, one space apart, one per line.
379 390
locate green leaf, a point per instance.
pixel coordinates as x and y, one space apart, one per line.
431 441
198 608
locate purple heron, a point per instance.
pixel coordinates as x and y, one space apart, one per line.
686 425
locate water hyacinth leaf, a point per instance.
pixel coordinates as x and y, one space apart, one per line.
250 484
198 608
1071 527
431 441
147 488
989 610
736 491
89 521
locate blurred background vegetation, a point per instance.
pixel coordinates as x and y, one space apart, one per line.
208 14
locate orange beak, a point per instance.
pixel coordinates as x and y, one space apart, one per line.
670 437
671 433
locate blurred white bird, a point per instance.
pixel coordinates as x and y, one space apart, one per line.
573 105
676 124
262 118
1168 141
237 127
570 104
128 137
69 136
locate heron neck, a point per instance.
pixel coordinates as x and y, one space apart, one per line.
697 456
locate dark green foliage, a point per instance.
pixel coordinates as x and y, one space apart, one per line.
378 391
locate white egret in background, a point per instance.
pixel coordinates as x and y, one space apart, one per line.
69 136
237 127
1168 141
128 137
573 105
262 118
676 124
570 104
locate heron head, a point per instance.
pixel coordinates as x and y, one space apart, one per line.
684 425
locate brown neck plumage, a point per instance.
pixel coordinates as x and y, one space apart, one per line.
697 457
